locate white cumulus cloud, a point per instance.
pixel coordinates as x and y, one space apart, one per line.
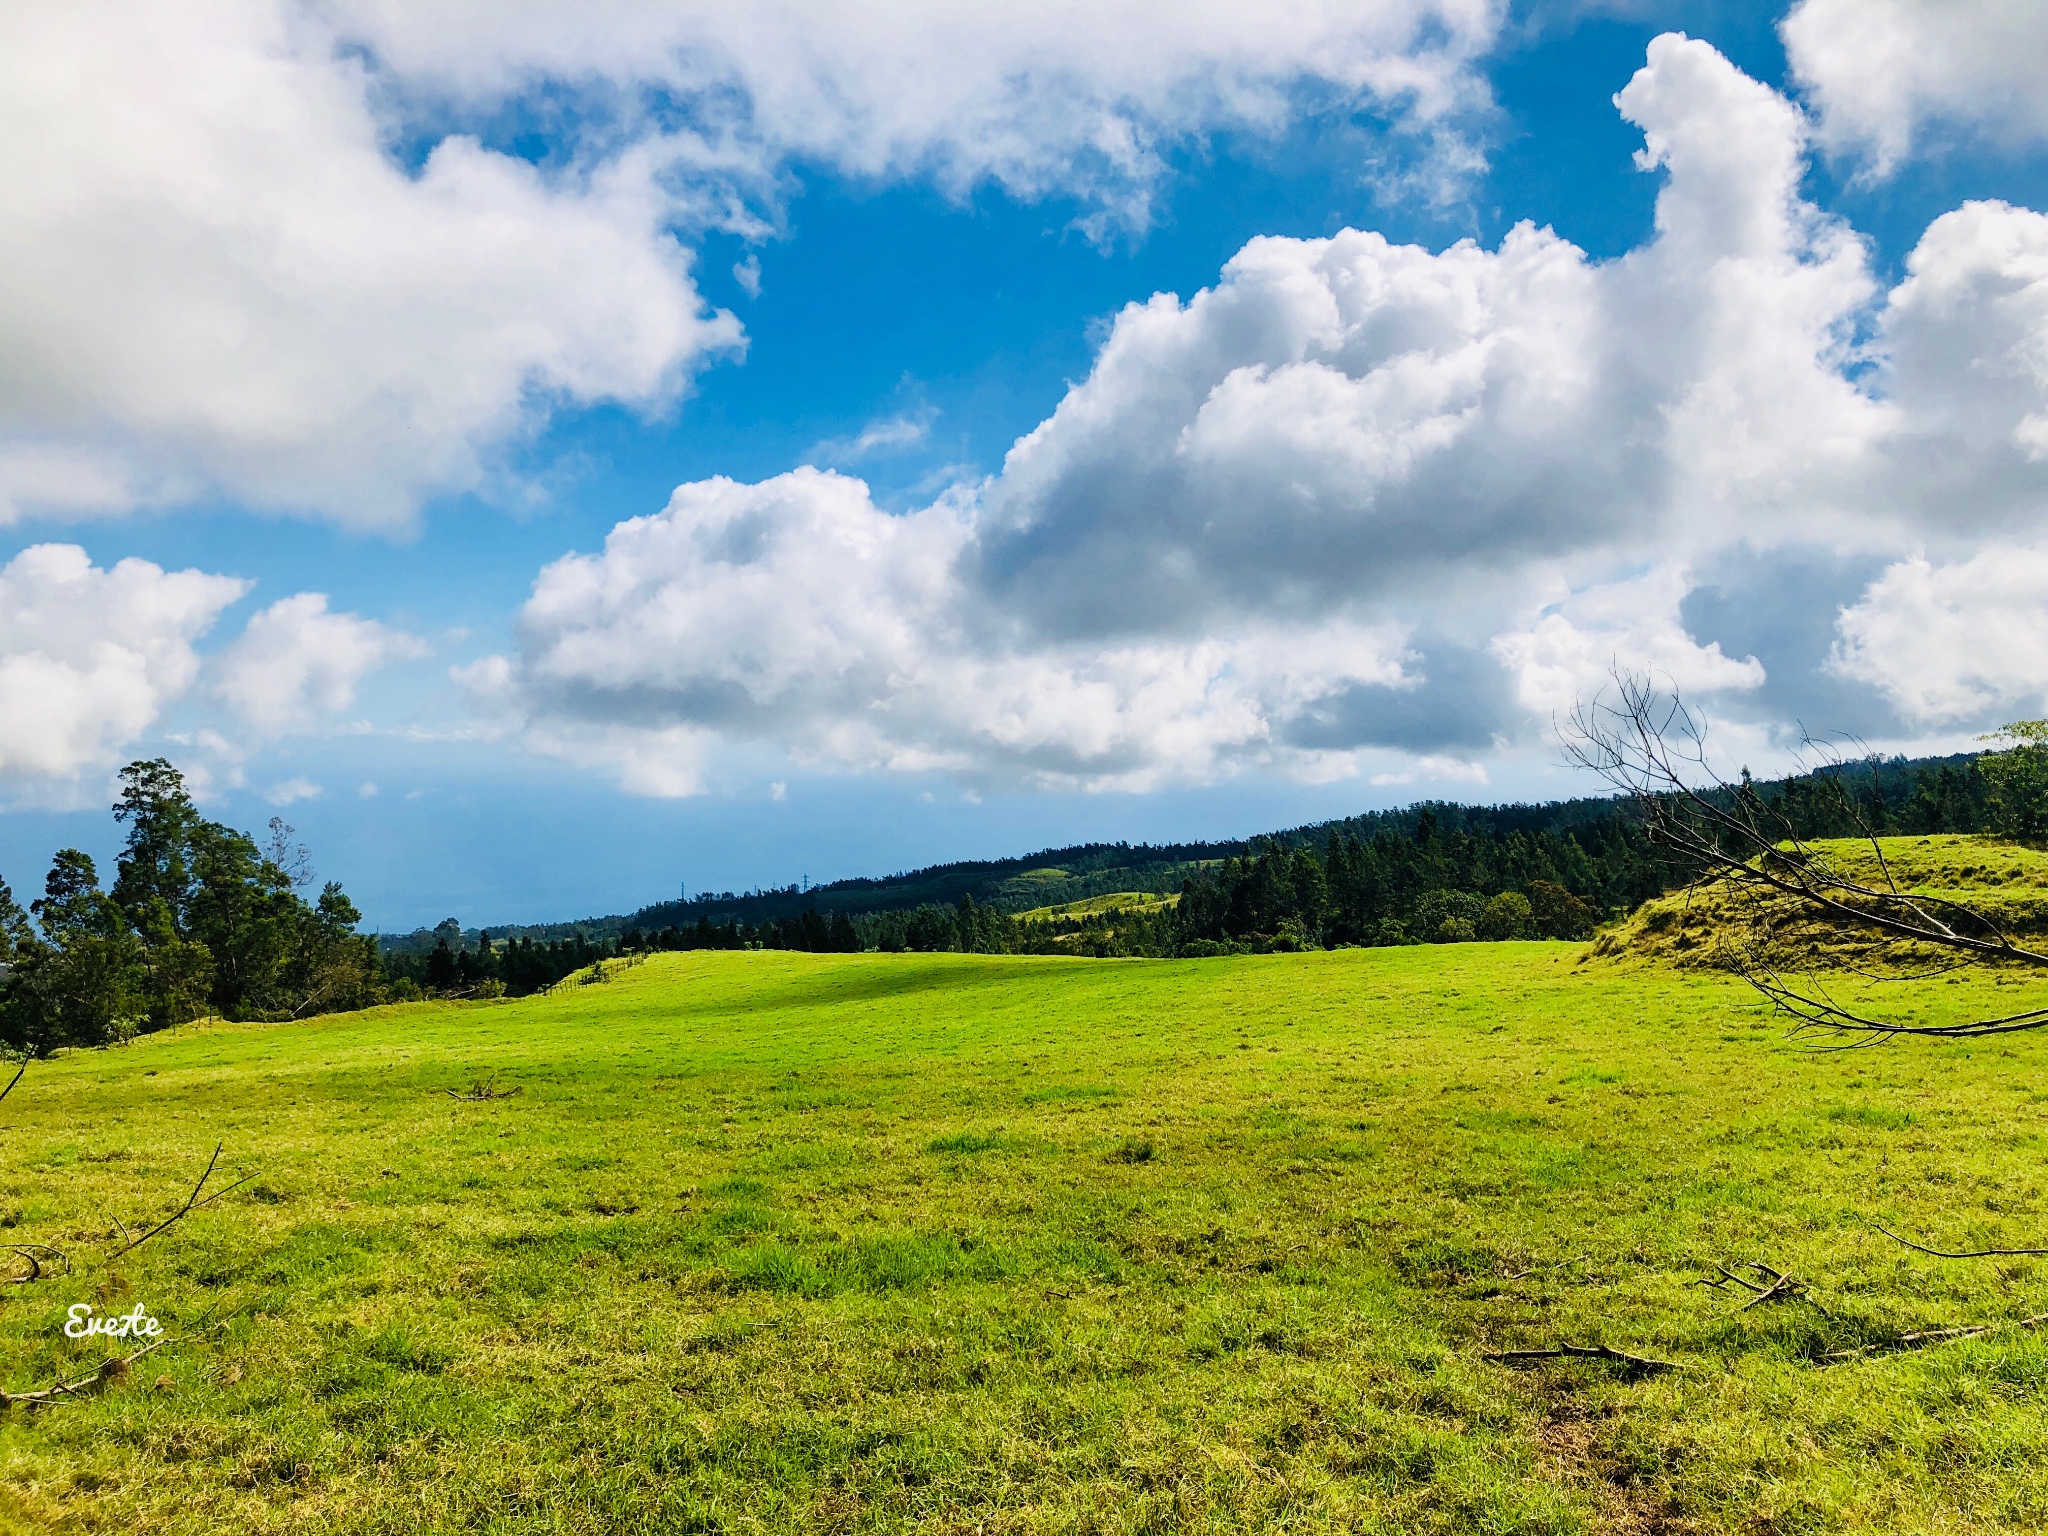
1356 500
1572 649
90 658
219 278
260 249
1883 72
1050 97
1949 643
295 662
797 612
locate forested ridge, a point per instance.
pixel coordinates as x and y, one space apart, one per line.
200 919
1431 872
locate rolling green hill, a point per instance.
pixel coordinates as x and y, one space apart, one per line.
2005 882
776 1242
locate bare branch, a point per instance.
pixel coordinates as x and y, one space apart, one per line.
192 1203
1637 1364
1980 1253
1776 1285
481 1090
1728 1278
112 1369
35 1255
1936 1336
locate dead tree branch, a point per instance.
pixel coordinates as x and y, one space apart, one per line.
481 1090
1929 1336
112 1369
1633 1364
1776 1285
193 1202
1979 1253
35 1255
1647 744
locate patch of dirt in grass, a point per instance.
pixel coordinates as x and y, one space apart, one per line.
1570 1453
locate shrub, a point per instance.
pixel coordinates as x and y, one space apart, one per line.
1291 938
1508 916
1558 914
1448 917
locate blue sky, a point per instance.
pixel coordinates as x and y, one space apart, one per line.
1347 535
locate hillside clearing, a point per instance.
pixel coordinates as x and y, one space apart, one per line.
1112 902
777 1242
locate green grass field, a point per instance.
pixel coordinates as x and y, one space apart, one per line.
775 1242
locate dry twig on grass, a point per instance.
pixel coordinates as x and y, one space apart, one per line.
1638 1364
1929 1336
1776 1286
35 1255
1980 1253
192 1203
112 1369
481 1090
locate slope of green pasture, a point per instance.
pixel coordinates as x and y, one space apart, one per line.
773 1242
1113 901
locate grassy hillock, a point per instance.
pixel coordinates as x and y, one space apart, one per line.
1105 905
2005 882
775 1242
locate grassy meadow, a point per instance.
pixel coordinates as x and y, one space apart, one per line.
779 1242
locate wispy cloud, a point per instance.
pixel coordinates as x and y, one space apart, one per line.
293 790
885 435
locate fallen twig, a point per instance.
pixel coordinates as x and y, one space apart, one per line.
192 1203
481 1090
1981 1253
1777 1285
1728 1278
34 1254
1937 1336
112 1369
1621 1357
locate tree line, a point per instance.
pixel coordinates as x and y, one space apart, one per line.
1434 873
516 967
